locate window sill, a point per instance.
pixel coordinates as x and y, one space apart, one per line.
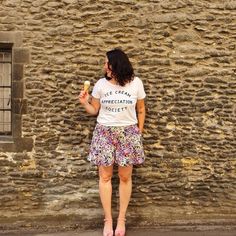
10 144
6 139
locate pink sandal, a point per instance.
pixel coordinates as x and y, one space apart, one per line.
120 232
105 231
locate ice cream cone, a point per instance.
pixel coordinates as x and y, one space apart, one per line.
86 85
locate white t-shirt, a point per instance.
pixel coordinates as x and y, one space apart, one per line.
118 103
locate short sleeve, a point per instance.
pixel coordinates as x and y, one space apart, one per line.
96 90
141 91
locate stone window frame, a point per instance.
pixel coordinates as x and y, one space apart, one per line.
20 56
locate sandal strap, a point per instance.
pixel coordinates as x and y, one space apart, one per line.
107 220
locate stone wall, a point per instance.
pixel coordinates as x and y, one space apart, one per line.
184 51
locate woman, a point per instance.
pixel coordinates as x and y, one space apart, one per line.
118 99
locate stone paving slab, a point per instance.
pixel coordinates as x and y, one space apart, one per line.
142 232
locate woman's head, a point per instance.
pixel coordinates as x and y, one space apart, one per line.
119 66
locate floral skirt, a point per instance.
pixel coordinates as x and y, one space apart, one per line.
114 144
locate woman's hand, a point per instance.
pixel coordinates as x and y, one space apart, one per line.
84 97
91 107
140 106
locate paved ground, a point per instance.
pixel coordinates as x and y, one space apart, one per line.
143 232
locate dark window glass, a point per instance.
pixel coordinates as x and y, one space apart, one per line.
5 92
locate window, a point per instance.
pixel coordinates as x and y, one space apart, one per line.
13 105
5 91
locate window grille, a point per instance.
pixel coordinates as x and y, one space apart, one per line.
5 92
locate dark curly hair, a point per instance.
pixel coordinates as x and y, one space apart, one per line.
120 66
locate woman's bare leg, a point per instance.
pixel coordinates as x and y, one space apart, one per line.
125 189
105 190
